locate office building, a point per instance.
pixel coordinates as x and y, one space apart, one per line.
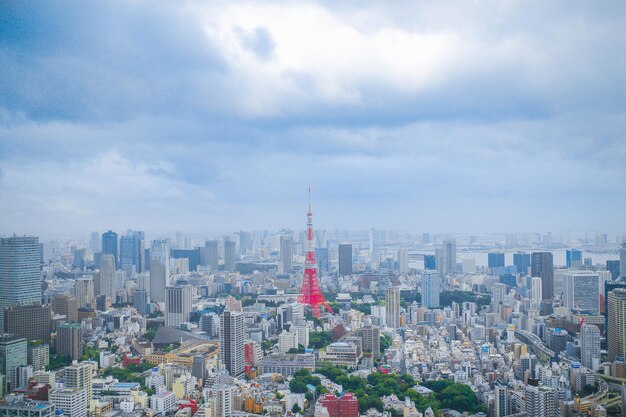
65 305
72 401
287 341
536 288
27 408
573 258
582 291
431 289
159 270
613 267
193 257
498 292
110 245
70 340
622 260
617 324
522 262
371 340
230 255
38 355
163 402
223 395
502 406
132 252
107 277
590 346
140 301
403 261
286 253
78 259
430 262
449 256
321 256
95 242
541 265
13 354
495 260
84 290
341 354
231 341
392 306
209 254
31 322
287 364
178 304
79 375
345 259
20 274
210 324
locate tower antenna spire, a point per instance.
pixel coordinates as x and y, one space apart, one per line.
309 198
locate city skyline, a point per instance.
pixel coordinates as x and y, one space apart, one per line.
217 116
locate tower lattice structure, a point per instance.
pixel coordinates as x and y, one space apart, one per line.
310 293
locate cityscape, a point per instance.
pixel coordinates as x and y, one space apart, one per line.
308 209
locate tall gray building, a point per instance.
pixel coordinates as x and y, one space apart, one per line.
13 354
159 270
230 255
20 273
108 277
392 305
448 263
178 304
431 288
371 340
286 253
622 260
541 265
345 259
231 342
110 245
209 254
590 346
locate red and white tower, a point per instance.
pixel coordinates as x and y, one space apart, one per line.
310 293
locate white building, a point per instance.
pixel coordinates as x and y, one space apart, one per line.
287 341
590 346
73 401
163 402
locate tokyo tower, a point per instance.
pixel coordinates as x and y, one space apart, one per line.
310 293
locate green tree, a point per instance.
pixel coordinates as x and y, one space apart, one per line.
295 409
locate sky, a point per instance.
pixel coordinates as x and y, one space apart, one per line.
445 116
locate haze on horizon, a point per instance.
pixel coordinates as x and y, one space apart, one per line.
215 116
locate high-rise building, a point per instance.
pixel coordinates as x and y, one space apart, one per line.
392 304
31 322
38 355
431 288
84 290
498 294
608 287
371 340
210 324
449 256
522 262
223 396
536 286
430 262
110 245
159 270
20 273
541 265
178 304
209 254
582 291
573 258
321 256
613 267
617 324
95 242
70 340
67 306
540 402
590 346
230 255
286 253
502 406
495 259
79 375
231 341
72 401
622 260
403 261
140 301
345 259
13 354
108 277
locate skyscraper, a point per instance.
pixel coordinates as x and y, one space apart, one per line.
70 340
159 270
622 260
540 402
403 261
321 256
501 395
209 254
590 346
431 288
230 255
430 262
582 291
132 251
345 259
95 242
541 265
20 274
536 286
84 291
573 258
371 340
108 277
140 301
392 305
522 262
286 253
31 322
178 304
13 354
495 259
617 324
613 267
231 341
67 306
79 375
109 245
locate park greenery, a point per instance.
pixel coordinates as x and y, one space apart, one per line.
446 298
319 340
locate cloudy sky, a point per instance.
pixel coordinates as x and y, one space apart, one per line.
215 116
